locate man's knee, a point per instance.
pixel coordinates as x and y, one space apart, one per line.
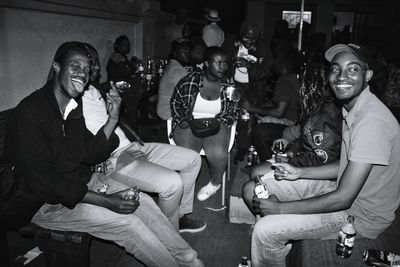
195 158
264 230
173 185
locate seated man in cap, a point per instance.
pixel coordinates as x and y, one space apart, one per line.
53 161
364 183
213 35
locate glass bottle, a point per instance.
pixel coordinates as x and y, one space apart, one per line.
346 238
374 257
260 189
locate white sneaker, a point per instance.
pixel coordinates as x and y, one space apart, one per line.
207 191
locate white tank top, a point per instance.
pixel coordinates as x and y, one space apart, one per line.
204 108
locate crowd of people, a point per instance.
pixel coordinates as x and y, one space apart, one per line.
341 142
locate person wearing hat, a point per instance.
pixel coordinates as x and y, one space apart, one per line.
365 182
249 67
213 35
53 163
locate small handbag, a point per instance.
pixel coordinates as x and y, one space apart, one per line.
204 127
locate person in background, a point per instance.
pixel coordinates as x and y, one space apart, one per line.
55 159
178 67
120 68
198 51
281 111
366 181
192 31
203 95
281 39
249 67
170 171
174 29
213 35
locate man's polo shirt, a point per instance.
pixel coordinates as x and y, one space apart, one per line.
371 135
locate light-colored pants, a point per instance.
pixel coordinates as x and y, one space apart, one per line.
146 233
170 171
271 233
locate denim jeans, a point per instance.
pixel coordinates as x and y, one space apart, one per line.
215 148
170 171
269 243
146 233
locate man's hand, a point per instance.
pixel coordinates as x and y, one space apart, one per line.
285 171
242 62
266 206
113 102
118 204
275 144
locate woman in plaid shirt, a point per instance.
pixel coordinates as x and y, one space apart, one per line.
204 93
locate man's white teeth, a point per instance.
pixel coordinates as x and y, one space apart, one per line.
343 85
77 80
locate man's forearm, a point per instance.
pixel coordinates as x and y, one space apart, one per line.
325 172
330 202
95 199
110 126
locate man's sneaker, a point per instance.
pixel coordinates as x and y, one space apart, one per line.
188 225
207 191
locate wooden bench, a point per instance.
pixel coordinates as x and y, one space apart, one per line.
60 249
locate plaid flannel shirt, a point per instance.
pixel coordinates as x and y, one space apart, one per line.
184 98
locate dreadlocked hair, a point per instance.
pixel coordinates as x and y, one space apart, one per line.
314 90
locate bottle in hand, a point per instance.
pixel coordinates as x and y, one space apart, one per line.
346 238
374 257
260 189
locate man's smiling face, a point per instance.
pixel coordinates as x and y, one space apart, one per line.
348 77
73 74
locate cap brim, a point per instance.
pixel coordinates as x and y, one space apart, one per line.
334 50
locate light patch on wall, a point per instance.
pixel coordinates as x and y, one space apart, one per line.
30 39
293 17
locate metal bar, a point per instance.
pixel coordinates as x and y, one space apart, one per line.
301 26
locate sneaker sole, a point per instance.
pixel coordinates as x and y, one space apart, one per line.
193 230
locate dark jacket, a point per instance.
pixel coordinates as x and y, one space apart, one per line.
120 68
54 155
320 138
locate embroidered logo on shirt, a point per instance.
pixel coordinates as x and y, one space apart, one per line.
322 155
318 137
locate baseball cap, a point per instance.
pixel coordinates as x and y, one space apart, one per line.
361 52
